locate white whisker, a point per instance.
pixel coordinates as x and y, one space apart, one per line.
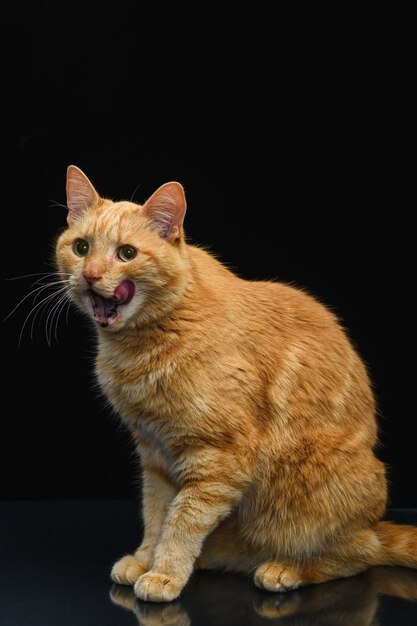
51 315
65 303
51 293
43 309
62 280
40 288
68 310
58 282
46 299
39 274
56 203
133 194
55 318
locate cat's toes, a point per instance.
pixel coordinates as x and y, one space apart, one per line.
156 587
127 570
277 577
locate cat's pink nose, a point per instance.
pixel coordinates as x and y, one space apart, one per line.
91 276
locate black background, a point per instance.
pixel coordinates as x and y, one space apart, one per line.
284 130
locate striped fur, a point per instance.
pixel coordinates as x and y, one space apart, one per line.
252 412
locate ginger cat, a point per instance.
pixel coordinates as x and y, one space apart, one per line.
251 411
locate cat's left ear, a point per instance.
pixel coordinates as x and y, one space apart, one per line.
81 194
166 209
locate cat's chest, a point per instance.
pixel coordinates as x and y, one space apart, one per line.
142 386
148 400
136 387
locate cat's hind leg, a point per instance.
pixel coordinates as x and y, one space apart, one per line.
225 549
347 559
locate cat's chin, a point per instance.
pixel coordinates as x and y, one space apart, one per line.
110 324
113 323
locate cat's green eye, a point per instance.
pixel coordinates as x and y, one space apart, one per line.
80 247
126 253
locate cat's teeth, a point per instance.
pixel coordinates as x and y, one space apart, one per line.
104 309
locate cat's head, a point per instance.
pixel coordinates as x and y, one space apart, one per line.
125 262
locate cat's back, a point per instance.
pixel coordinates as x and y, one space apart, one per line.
267 308
295 344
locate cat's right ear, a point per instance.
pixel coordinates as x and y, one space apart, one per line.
166 209
81 194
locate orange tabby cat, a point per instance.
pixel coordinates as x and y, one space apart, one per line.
252 413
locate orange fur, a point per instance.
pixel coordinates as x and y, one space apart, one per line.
252 413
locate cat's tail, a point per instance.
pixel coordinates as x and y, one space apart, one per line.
399 544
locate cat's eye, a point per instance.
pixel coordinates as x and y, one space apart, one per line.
126 253
80 247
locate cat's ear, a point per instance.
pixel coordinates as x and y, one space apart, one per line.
81 194
166 209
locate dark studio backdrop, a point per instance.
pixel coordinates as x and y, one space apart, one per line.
281 128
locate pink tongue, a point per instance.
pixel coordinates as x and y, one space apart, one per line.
124 292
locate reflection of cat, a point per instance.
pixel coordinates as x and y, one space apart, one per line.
251 411
230 602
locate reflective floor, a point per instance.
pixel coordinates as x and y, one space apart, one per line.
55 559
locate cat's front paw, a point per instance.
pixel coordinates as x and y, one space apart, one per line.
156 587
127 570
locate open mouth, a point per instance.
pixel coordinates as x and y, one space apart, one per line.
105 310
